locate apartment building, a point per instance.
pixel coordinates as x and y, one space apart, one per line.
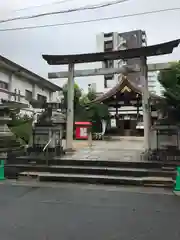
120 41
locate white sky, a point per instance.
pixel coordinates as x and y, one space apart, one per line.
26 47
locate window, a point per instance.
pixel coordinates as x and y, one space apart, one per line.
106 35
41 98
108 46
107 78
28 95
19 95
105 83
109 63
3 85
15 94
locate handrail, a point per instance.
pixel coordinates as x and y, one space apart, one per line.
47 144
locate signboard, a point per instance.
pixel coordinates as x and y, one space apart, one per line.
113 122
81 132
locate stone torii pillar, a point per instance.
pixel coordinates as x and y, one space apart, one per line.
70 108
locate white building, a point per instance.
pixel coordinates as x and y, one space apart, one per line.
154 85
121 41
21 85
92 87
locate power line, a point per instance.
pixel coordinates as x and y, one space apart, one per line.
91 20
87 7
42 5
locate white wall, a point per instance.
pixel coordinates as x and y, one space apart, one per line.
21 84
153 83
4 76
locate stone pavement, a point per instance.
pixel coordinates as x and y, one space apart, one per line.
118 149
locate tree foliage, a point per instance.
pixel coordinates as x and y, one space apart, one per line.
21 126
77 95
170 80
84 110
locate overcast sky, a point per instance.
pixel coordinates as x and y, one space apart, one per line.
26 47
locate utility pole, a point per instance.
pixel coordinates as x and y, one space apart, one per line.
70 108
145 103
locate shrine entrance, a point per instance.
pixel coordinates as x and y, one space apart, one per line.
142 53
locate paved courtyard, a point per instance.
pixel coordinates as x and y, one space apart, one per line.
121 149
77 212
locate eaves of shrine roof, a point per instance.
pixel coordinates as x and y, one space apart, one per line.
124 82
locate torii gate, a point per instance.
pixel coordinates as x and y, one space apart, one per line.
142 53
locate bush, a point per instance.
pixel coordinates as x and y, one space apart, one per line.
23 132
21 126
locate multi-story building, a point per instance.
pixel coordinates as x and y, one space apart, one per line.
120 41
154 85
21 85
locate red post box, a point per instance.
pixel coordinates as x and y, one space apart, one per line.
82 130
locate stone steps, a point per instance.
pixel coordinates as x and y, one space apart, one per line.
101 179
139 173
92 162
95 170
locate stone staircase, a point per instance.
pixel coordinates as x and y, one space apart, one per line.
115 172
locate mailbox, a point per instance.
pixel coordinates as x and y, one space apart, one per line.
82 129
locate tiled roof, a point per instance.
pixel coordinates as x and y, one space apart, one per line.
122 83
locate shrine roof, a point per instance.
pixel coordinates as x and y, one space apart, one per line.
122 85
147 51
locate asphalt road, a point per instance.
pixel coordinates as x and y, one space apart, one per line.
82 213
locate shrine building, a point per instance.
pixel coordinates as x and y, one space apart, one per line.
125 107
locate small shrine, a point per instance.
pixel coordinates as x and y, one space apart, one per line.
125 107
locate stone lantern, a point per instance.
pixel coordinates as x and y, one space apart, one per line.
8 141
48 131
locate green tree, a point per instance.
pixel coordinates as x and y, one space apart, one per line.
170 80
95 111
21 126
78 111
84 107
77 95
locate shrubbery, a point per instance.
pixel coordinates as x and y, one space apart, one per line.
21 126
